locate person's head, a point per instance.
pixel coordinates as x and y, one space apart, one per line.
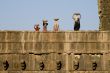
45 21
76 17
56 19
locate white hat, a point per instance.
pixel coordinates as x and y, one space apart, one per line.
44 20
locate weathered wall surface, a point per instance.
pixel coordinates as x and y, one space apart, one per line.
54 52
104 14
58 52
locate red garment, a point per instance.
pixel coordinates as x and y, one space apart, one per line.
36 27
45 27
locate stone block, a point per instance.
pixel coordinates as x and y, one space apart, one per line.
24 62
14 36
3 71
40 64
50 62
14 47
3 47
53 37
29 47
31 62
37 48
32 36
14 72
15 62
78 47
2 57
60 61
52 47
75 36
8 59
2 36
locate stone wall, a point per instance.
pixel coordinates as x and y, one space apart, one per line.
58 52
54 52
104 14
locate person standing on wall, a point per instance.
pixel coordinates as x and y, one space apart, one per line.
45 23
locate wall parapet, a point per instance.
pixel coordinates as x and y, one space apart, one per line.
57 52
44 42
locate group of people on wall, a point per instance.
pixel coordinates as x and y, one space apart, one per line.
76 17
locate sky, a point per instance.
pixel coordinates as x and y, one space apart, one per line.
24 14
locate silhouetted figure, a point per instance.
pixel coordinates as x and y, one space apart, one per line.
76 18
56 25
41 64
36 27
45 23
23 65
6 65
59 65
94 65
76 62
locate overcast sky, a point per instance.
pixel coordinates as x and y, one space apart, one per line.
24 14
